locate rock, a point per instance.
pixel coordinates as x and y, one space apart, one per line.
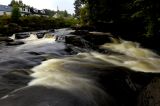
51 30
40 35
96 38
150 96
35 53
14 80
21 35
78 27
6 39
18 76
80 32
14 43
74 40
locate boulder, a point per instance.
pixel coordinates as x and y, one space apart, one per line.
74 40
96 38
21 35
150 95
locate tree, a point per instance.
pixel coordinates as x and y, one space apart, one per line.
77 4
15 16
148 10
84 18
16 3
13 3
65 14
49 12
142 13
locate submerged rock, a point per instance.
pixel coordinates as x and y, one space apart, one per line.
14 43
14 80
18 76
6 39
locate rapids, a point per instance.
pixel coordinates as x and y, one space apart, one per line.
61 79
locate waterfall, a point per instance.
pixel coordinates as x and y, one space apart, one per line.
48 35
133 56
31 37
13 37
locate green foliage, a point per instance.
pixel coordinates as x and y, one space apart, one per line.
63 14
31 23
142 13
71 21
77 4
17 3
84 18
15 14
50 13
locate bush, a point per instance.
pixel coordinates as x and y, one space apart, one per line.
30 23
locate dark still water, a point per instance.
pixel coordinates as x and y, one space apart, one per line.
41 72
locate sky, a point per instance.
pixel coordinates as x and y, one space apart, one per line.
47 4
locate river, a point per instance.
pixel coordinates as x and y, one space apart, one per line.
42 72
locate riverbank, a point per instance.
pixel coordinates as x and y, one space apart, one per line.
32 23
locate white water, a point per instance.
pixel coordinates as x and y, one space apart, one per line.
60 73
134 57
13 37
70 73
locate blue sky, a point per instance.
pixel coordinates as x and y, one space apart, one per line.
49 4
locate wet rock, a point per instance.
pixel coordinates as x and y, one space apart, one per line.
51 30
35 53
21 35
96 38
150 96
40 35
74 40
47 96
13 80
14 43
80 32
123 84
18 75
5 39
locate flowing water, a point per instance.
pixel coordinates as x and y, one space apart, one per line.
61 79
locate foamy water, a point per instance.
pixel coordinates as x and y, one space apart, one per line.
134 57
73 74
